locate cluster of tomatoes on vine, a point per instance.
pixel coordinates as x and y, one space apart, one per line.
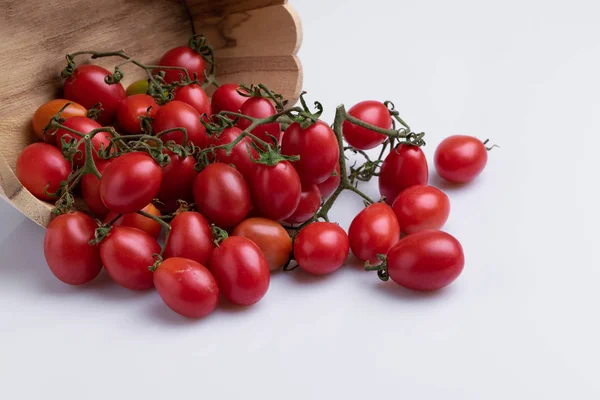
240 185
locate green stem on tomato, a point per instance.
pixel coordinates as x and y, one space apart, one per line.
162 223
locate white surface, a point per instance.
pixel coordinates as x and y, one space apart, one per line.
520 323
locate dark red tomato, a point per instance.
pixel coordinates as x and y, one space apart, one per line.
83 125
330 184
135 220
132 108
270 237
184 57
186 287
90 190
177 114
190 237
321 248
425 261
275 190
40 165
373 231
45 112
87 87
67 250
241 155
241 270
127 253
372 112
130 182
259 107
177 182
460 158
222 195
195 96
317 147
227 98
421 208
310 201
404 167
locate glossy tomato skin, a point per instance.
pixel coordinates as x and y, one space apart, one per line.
329 186
371 112
135 220
177 114
222 195
270 237
310 201
426 261
132 108
130 182
195 96
373 231
227 98
90 191
317 147
67 250
275 190
84 125
242 153
241 270
460 158
185 57
127 253
191 238
321 248
404 167
137 87
421 208
186 287
45 112
87 87
177 182
39 165
259 107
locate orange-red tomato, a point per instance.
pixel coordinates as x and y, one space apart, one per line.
138 221
45 112
270 237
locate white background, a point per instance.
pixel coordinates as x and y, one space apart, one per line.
520 323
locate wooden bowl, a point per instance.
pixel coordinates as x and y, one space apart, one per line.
254 40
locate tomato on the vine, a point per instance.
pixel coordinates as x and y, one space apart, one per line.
329 186
90 190
421 208
317 147
41 168
259 107
186 287
373 113
310 201
127 253
460 158
137 87
177 114
425 261
222 195
241 270
195 96
242 153
45 112
130 182
373 231
184 57
270 237
190 237
404 167
131 110
84 125
275 190
321 248
177 182
138 221
67 250
227 98
87 87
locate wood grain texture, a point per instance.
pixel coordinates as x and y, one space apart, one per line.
254 40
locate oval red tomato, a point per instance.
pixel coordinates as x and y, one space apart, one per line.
241 270
373 231
404 167
90 191
227 98
177 182
421 208
242 153
310 201
177 114
131 110
275 190
41 165
138 221
321 248
195 96
84 125
460 158
270 237
190 237
330 185
259 107
185 57
373 113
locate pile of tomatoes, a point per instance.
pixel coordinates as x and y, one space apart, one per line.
200 197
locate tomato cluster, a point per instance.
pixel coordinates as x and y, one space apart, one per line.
201 197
